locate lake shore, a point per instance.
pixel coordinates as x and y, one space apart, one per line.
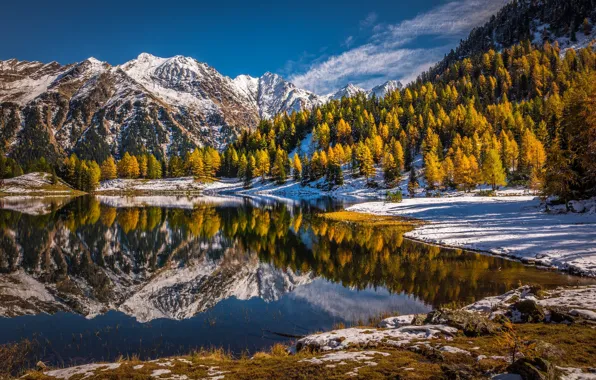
511 224
478 340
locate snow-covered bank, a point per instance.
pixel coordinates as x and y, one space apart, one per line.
163 185
512 226
35 184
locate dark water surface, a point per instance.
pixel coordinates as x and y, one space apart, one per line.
96 278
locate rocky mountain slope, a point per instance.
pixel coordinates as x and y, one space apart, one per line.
163 106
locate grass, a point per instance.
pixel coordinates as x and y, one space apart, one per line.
371 220
573 346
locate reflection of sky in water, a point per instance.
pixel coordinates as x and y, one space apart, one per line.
233 324
352 305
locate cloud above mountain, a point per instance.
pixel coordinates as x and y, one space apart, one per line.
396 51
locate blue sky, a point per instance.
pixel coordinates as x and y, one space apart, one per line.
319 45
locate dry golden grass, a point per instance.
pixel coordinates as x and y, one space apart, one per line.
372 220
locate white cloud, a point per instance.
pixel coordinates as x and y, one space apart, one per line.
385 56
369 21
348 41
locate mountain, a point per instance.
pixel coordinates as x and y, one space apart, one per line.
351 90
537 21
161 105
385 88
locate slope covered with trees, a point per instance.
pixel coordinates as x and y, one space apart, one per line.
525 115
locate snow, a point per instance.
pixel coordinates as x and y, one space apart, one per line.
453 350
345 355
167 201
33 205
33 183
399 321
512 226
582 300
345 338
85 371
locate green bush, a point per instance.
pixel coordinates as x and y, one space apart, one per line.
395 197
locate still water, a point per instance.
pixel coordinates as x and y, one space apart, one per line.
95 278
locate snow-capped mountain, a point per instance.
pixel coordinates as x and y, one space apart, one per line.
347 91
385 88
162 105
351 90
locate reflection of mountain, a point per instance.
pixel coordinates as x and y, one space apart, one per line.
149 263
162 262
181 292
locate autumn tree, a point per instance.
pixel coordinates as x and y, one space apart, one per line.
492 169
108 169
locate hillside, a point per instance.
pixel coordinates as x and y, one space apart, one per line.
538 21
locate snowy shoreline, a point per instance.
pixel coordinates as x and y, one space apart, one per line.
513 227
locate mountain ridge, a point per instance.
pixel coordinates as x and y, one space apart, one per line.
163 106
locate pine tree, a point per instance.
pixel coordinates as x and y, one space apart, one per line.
413 182
279 168
559 177
154 170
365 162
142 161
176 167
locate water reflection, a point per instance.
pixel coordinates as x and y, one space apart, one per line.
227 269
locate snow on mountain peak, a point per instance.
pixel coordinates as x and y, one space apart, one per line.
381 90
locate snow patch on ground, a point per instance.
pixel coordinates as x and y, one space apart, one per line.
34 183
581 299
85 371
345 338
511 226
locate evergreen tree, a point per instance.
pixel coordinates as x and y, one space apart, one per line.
559 177
413 182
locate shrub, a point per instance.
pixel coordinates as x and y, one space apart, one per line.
394 197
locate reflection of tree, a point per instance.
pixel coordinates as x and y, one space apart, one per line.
84 246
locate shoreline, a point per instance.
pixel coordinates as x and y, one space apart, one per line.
468 340
507 225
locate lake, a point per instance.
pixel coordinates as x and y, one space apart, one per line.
93 278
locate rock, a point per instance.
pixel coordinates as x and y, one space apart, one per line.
472 324
459 371
419 319
527 311
558 315
395 322
585 314
547 350
533 369
557 209
576 206
41 366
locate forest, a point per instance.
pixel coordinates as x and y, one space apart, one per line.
522 116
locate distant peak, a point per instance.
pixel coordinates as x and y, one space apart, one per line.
146 57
